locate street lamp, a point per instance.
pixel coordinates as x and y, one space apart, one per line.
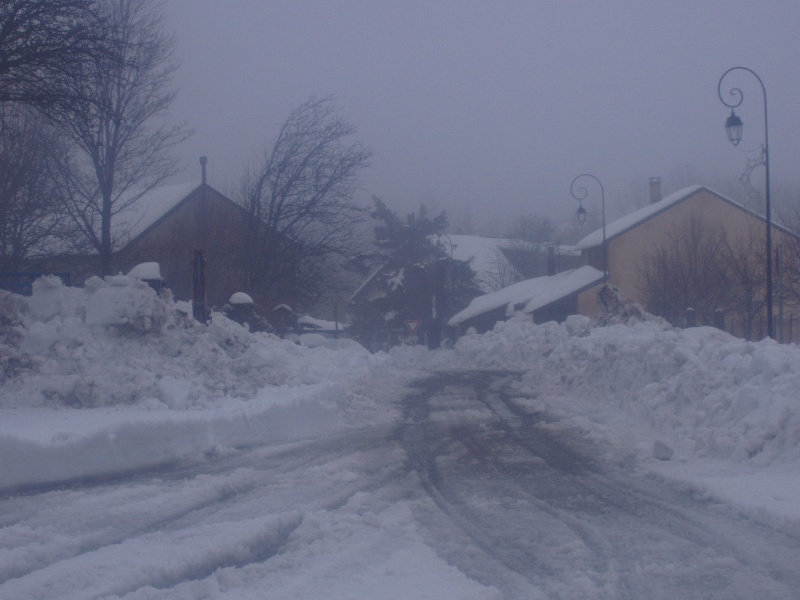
733 127
580 193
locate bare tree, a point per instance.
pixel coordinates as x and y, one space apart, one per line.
706 267
38 42
44 49
502 273
29 217
686 271
745 263
528 238
300 196
787 292
120 132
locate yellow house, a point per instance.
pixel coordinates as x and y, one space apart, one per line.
634 240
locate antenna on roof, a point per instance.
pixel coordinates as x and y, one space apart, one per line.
203 161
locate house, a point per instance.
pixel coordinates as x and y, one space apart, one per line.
637 236
172 223
546 298
630 240
167 225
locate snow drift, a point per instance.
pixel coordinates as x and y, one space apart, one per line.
111 376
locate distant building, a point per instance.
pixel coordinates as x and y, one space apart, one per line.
632 238
166 226
629 241
546 298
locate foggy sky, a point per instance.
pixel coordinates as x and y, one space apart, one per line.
492 107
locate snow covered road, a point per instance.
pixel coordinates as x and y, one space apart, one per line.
533 511
473 493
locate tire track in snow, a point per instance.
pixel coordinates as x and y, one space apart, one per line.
547 512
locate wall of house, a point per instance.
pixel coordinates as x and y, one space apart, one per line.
627 252
557 311
206 221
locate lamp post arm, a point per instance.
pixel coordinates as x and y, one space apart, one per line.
580 193
738 94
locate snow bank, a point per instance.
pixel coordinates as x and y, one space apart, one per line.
700 391
115 342
112 377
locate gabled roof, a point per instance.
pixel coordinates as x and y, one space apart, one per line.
151 208
531 294
156 205
637 217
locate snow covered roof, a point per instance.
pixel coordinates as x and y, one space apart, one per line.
150 208
485 253
532 293
481 249
146 271
633 219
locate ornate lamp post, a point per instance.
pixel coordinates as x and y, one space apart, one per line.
580 193
733 127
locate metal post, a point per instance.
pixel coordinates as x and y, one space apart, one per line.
336 320
737 94
199 310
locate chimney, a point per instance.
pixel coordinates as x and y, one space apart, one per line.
551 260
204 160
655 189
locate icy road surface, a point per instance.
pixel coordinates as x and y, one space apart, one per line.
474 494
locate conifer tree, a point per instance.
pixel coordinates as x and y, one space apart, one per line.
416 279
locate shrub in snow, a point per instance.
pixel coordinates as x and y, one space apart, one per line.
11 359
616 310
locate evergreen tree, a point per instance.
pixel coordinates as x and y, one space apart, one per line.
416 280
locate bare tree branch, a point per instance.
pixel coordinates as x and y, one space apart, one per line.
44 43
29 215
121 129
300 195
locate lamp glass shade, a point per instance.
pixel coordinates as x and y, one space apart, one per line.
733 127
581 215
